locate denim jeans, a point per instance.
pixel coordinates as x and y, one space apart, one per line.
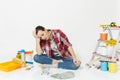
67 63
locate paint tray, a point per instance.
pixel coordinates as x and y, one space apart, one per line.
9 66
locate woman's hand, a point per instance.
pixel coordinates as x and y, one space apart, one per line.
38 47
76 62
35 36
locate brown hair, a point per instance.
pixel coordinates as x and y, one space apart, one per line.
39 28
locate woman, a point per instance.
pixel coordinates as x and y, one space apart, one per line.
54 49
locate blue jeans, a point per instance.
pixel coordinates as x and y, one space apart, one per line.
67 63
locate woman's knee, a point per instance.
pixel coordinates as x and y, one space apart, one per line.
43 59
37 58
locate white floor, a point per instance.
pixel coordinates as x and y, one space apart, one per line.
82 73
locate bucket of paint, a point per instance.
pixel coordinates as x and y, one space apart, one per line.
103 36
104 65
28 57
112 66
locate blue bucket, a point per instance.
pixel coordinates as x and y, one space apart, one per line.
104 65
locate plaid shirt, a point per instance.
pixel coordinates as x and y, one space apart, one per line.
60 40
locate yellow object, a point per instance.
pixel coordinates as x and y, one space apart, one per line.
19 61
112 24
18 56
110 42
103 25
12 65
112 67
9 66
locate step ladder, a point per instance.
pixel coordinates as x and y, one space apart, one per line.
96 56
117 52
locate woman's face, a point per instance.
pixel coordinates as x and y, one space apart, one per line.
42 34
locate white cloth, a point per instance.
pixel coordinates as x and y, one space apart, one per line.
54 48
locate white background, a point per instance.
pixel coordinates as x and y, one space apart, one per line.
78 19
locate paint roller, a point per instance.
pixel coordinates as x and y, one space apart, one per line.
17 60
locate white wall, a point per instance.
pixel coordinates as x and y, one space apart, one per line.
118 11
79 19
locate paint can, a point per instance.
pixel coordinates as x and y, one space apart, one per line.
28 57
103 36
104 65
112 66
